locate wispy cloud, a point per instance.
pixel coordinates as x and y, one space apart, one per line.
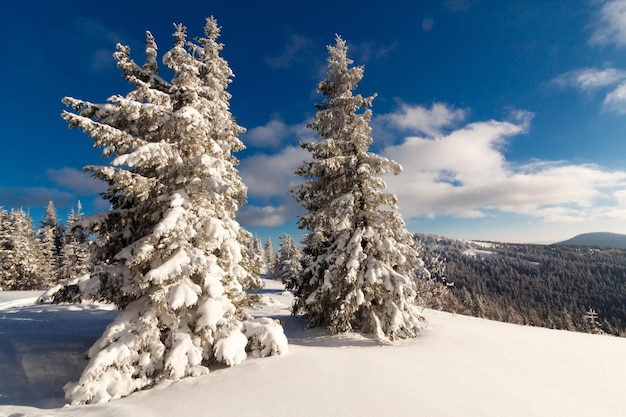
294 50
98 34
94 29
76 181
25 197
457 5
68 185
609 26
591 80
615 101
365 51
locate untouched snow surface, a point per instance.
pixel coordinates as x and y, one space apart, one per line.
459 367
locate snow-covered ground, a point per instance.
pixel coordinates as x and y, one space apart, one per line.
460 366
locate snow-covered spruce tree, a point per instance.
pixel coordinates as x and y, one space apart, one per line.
75 257
288 266
359 265
269 255
74 279
23 266
253 262
169 251
50 225
50 234
4 248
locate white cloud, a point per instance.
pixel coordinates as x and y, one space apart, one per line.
79 182
275 132
465 174
269 135
448 172
589 79
269 176
609 28
267 216
610 24
620 197
291 52
418 119
615 101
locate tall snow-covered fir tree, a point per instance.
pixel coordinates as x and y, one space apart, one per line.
169 252
359 265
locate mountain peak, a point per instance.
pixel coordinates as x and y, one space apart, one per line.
601 239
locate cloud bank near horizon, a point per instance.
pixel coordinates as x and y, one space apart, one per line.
455 168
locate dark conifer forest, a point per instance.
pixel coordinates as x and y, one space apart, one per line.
562 287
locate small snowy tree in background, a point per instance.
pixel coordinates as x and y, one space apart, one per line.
288 265
269 255
50 224
359 265
591 316
75 258
50 235
169 252
253 263
74 279
4 248
256 254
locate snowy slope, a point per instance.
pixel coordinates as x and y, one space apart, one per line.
460 366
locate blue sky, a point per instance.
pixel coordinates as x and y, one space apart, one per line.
509 117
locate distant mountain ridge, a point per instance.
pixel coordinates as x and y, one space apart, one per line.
601 239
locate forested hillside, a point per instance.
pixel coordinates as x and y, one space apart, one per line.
563 287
